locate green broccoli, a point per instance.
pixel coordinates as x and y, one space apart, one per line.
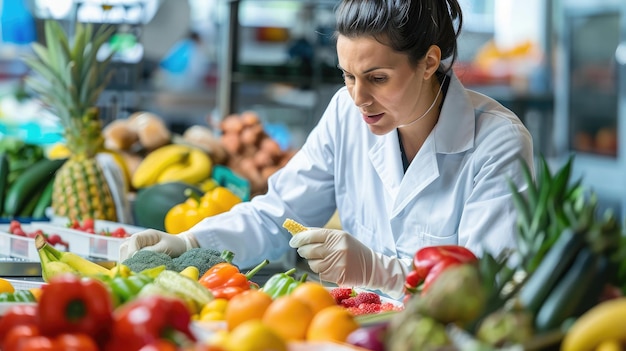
202 258
144 259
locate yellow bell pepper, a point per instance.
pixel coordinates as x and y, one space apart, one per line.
185 215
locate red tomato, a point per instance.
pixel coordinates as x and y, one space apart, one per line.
17 315
16 337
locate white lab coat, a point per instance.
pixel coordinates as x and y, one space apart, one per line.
454 192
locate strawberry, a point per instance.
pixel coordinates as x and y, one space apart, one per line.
367 297
119 232
341 294
349 302
14 225
364 308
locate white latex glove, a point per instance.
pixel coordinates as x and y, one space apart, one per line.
340 258
155 240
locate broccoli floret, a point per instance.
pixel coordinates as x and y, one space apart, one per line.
144 259
202 258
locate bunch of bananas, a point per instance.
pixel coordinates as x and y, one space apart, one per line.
55 262
170 163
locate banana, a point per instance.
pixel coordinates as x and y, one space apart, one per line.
602 322
156 162
194 169
82 265
77 263
50 267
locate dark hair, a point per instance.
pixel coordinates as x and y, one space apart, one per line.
407 26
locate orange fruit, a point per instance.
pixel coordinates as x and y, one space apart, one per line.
245 306
315 295
289 317
333 323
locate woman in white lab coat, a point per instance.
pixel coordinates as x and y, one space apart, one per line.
404 152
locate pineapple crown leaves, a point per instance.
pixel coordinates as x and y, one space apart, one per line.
70 76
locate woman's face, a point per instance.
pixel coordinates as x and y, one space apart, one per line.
385 87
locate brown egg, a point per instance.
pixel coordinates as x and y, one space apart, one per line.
250 118
231 124
263 159
231 142
271 146
606 141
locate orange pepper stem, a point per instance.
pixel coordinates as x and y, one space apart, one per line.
254 270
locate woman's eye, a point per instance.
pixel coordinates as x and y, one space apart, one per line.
379 79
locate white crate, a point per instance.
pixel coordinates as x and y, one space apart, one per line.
89 244
24 247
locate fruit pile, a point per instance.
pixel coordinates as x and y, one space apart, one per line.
15 228
252 153
88 225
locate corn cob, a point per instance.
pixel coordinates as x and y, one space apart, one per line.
294 227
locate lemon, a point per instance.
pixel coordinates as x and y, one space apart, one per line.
6 286
254 335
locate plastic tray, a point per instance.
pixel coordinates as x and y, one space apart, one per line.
23 247
93 245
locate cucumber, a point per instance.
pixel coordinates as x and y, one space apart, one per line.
553 266
28 183
565 299
44 201
4 178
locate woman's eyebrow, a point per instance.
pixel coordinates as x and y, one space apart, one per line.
366 71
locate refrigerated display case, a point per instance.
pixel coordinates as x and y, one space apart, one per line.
590 108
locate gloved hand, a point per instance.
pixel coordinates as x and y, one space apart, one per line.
340 258
155 240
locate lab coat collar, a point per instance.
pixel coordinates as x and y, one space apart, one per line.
455 129
453 133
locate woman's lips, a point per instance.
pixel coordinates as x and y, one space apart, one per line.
371 119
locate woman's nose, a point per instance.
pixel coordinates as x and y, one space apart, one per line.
360 95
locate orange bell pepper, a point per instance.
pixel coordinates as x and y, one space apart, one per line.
224 280
185 215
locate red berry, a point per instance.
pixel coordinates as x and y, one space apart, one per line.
367 297
341 294
349 302
88 225
119 233
14 225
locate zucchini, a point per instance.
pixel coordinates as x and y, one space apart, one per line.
553 266
4 178
565 299
28 184
44 201
152 203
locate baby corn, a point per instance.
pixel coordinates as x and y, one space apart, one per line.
293 227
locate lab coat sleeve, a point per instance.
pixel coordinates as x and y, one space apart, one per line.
489 218
302 190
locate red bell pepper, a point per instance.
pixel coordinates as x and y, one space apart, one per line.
429 262
148 320
224 280
74 305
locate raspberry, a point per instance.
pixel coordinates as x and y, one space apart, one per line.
341 294
367 297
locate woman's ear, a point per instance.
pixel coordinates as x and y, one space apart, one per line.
432 59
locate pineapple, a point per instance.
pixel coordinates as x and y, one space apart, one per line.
69 79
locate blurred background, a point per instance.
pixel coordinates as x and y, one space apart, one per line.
559 64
